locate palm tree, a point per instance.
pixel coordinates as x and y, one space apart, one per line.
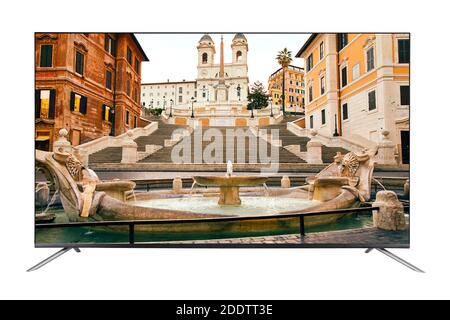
284 58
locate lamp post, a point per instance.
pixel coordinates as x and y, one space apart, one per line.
171 105
271 107
192 104
282 95
164 103
252 115
335 134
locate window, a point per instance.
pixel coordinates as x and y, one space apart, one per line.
290 82
136 65
344 111
180 99
129 56
46 56
404 95
78 103
355 72
106 113
204 57
370 59
403 50
135 122
372 100
309 62
79 63
322 85
291 99
180 90
321 51
108 80
296 83
238 56
310 93
128 87
342 40
311 122
135 92
45 104
110 45
322 113
127 117
344 76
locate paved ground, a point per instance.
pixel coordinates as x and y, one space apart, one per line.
367 237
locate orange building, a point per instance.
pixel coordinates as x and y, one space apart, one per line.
357 84
294 87
87 83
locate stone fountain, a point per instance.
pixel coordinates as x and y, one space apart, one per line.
229 185
343 184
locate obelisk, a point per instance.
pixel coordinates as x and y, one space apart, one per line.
222 88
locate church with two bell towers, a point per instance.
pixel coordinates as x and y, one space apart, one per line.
222 82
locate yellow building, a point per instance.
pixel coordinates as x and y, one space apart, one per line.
358 85
294 87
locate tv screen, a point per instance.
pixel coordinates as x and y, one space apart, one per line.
222 140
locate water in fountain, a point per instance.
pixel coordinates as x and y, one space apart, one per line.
379 183
266 189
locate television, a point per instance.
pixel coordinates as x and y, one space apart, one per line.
243 140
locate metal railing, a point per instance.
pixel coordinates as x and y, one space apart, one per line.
132 223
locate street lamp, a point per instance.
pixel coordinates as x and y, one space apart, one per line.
192 104
164 103
271 107
335 134
171 105
252 116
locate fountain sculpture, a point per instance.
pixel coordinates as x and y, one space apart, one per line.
229 185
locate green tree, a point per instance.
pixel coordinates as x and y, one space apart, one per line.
284 58
258 97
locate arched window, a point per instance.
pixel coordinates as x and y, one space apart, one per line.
204 57
239 56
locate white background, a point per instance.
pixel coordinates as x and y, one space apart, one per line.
228 273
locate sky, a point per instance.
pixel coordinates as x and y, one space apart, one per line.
174 56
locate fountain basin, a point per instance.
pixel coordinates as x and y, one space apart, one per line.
229 186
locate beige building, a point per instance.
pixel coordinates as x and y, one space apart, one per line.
162 94
358 85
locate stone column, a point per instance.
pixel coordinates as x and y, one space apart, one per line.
62 144
314 149
177 185
285 182
391 215
386 150
129 149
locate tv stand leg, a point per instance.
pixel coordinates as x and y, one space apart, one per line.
396 258
51 258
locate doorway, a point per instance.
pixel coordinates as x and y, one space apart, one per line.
405 146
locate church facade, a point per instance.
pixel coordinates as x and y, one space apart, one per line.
222 82
212 87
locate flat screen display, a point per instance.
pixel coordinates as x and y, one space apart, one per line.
222 140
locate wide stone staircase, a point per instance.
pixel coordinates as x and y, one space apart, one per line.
288 138
164 154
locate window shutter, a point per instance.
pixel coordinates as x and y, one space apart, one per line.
37 104
103 112
107 39
113 47
72 101
51 110
83 107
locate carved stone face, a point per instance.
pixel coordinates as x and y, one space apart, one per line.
349 165
74 167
